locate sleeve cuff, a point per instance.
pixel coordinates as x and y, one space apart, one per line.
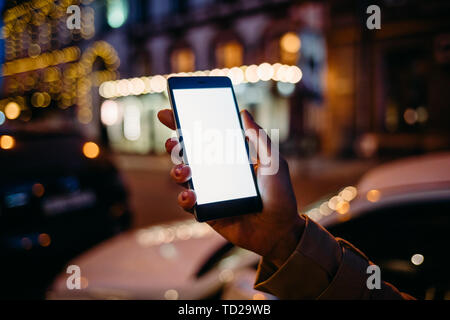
350 279
322 267
309 269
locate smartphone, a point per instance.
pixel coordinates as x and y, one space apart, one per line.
213 143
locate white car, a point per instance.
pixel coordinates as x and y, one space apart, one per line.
398 215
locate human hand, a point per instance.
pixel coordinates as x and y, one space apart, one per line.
273 233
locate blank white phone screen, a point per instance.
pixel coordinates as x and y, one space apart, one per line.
214 144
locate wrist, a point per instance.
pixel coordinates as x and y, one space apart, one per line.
287 243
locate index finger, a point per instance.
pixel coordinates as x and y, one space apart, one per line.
166 118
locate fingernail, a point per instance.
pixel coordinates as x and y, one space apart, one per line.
177 172
184 195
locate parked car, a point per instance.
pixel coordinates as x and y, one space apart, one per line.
401 220
57 199
398 214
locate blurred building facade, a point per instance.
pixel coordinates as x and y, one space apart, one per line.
362 91
386 87
52 72
217 37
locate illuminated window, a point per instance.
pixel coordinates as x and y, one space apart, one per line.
289 48
229 54
182 60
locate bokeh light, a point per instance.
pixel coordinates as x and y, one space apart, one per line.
132 122
91 150
290 42
259 296
410 116
348 193
38 190
417 259
44 240
265 71
343 207
12 110
2 118
158 83
7 142
373 195
288 74
236 75
109 112
251 73
117 12
171 294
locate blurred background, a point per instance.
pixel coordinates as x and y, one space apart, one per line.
83 171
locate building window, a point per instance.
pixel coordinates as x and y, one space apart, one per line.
289 45
182 60
229 54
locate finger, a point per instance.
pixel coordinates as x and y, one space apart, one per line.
166 118
187 199
257 137
180 173
170 144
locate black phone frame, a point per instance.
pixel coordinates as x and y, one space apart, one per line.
221 209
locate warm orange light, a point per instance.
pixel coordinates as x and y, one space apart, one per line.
343 217
259 296
229 54
12 110
7 142
183 60
91 150
44 240
342 207
84 282
373 195
410 116
290 42
38 190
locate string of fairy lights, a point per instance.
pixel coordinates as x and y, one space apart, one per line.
244 74
43 68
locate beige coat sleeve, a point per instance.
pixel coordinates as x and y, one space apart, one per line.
322 267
